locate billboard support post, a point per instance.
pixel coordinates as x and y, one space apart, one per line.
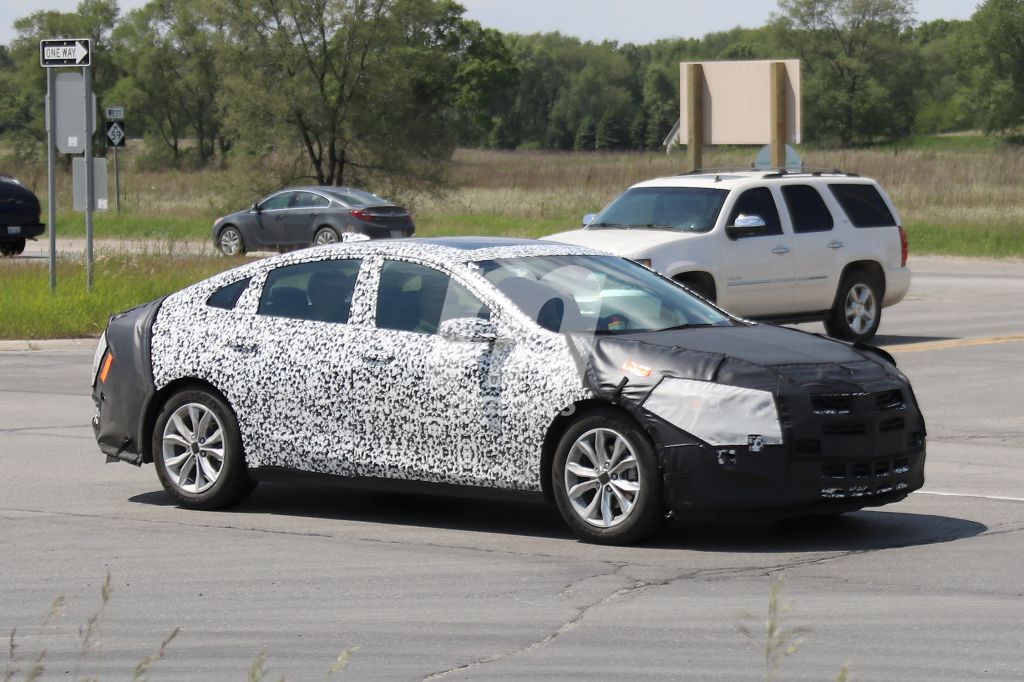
695 106
89 201
779 124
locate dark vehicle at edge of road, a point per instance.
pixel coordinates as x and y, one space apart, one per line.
295 217
19 216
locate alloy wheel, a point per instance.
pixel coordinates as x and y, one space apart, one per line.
861 308
193 448
602 478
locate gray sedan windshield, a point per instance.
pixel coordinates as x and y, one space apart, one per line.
691 209
599 294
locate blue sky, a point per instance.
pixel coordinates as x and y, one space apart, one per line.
637 21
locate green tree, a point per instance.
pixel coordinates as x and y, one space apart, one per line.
169 53
857 65
363 87
992 54
25 82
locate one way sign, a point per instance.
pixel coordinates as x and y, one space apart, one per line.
65 52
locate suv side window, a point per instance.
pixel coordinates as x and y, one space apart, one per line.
758 201
807 209
863 204
320 291
416 298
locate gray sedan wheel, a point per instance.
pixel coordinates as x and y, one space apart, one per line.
325 235
230 242
197 450
606 480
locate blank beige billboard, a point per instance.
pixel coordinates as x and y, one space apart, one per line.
737 101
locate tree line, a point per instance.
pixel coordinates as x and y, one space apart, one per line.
362 89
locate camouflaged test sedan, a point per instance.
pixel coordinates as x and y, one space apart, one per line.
527 367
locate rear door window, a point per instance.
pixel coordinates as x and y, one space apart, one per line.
863 205
320 291
310 200
807 209
416 298
760 202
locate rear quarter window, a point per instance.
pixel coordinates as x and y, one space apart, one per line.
863 205
227 296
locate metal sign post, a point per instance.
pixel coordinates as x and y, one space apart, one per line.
72 52
90 201
116 137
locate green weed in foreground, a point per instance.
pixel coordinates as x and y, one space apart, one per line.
134 225
982 240
28 310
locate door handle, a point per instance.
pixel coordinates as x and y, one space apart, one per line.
836 244
279 217
378 358
780 250
246 348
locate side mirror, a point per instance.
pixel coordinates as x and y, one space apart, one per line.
468 329
746 226
255 208
589 218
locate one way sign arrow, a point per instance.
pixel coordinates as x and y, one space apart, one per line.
65 52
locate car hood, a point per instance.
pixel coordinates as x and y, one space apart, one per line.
760 356
621 242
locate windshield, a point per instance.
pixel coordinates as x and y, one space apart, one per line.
689 209
599 294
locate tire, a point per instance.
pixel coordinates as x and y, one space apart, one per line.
600 516
857 310
178 445
325 235
12 248
230 241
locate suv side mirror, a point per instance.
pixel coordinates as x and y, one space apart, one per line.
746 226
589 218
468 329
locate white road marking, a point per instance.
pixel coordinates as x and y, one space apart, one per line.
980 497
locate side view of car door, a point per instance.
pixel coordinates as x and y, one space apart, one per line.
301 218
271 217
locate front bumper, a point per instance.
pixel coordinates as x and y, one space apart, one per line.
704 481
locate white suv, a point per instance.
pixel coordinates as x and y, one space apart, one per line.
785 246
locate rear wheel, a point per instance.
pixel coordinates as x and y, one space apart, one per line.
197 451
230 241
605 479
325 235
12 248
857 310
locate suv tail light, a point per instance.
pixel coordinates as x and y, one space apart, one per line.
904 247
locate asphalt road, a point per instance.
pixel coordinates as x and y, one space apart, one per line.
930 588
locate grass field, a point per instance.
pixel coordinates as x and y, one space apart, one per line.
957 195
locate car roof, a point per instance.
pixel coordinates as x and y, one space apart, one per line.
733 178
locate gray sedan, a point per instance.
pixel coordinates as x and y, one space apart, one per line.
301 216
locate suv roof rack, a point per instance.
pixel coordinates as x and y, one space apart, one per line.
772 172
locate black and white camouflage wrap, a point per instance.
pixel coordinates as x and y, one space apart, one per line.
354 400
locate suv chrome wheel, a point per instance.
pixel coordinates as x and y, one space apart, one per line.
861 308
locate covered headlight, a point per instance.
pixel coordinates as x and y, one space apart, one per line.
716 413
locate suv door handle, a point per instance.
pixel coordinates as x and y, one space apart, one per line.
780 250
836 244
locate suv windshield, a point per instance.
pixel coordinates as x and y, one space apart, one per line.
689 209
600 294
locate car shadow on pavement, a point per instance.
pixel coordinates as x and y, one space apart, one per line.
856 531
902 340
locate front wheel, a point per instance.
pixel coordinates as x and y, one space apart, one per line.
197 451
857 310
230 241
606 480
13 248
